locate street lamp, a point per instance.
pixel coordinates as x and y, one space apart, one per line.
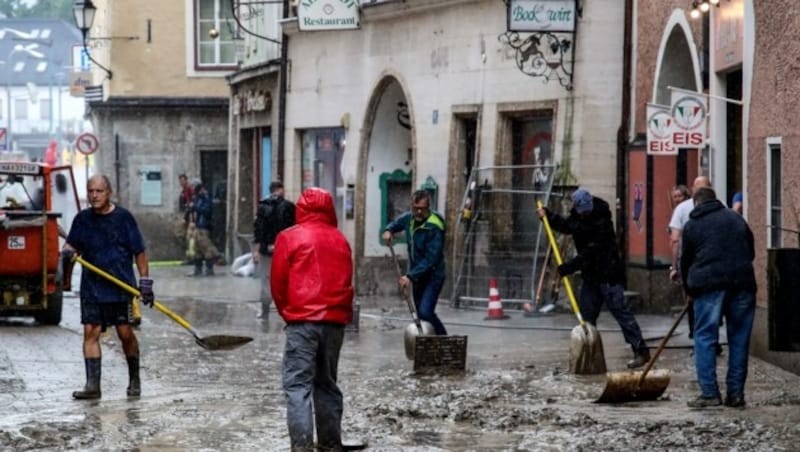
84 11
30 49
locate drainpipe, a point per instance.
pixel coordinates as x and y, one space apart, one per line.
622 137
282 100
117 163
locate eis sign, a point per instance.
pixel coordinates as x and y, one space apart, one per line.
683 125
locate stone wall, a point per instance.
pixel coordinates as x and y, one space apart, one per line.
170 135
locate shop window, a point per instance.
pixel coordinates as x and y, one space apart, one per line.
531 144
323 150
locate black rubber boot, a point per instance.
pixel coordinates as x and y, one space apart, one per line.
640 358
134 384
92 388
210 267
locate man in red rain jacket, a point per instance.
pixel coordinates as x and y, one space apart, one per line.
311 282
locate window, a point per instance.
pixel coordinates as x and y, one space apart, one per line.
45 109
212 53
531 144
323 150
774 174
20 108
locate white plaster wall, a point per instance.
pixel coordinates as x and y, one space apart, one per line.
451 56
388 151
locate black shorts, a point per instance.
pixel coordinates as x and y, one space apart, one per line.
106 314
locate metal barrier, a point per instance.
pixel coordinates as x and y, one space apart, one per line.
499 235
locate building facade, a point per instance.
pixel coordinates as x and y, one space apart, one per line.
424 92
162 108
733 51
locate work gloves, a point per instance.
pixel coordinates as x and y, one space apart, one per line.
146 295
569 267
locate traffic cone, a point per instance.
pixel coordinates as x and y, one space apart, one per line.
495 305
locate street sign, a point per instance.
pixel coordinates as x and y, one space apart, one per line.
78 81
87 143
80 58
3 139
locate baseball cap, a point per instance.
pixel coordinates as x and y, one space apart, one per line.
582 201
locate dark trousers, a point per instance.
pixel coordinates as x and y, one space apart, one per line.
426 296
593 296
310 363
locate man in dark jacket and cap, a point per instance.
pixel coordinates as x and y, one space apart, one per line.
598 260
717 252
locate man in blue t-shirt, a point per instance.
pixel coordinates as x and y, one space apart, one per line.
107 236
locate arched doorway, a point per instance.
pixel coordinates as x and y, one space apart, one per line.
385 181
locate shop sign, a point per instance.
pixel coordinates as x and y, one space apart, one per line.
689 115
314 15
659 130
252 101
680 125
78 81
542 15
728 35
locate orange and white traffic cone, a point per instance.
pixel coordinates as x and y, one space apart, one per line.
495 311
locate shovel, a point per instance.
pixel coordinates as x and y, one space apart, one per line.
209 343
419 327
586 347
634 386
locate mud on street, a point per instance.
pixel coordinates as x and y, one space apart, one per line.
515 395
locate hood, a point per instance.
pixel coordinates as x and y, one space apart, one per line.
706 208
316 204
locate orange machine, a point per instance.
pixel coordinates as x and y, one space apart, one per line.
31 282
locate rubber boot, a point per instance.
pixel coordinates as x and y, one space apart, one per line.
640 358
209 267
134 385
92 388
198 268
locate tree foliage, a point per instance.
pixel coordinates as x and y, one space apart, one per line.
49 9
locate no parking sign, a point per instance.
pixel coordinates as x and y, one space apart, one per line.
87 143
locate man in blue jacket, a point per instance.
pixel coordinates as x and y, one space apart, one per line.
717 252
425 238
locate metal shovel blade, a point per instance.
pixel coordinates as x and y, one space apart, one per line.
222 342
411 333
586 355
624 387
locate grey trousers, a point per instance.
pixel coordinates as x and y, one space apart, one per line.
264 264
310 363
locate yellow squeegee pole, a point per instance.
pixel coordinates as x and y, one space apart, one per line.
570 294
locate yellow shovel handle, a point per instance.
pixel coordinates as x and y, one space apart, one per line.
135 292
572 301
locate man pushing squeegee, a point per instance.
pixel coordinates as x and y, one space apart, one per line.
589 223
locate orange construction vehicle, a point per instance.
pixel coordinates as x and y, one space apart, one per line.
35 199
